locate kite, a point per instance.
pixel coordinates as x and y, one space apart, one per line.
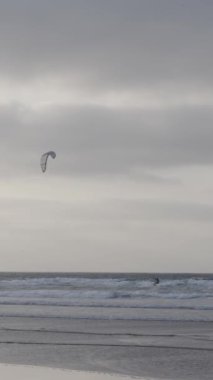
44 158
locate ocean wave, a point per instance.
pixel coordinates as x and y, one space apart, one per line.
107 283
135 294
126 295
61 281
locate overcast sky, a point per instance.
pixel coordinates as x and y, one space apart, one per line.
122 91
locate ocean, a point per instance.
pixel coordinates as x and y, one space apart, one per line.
187 297
120 323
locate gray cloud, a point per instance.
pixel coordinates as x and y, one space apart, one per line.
112 45
59 214
96 140
150 210
108 44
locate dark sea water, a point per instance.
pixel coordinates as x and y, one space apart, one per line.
122 296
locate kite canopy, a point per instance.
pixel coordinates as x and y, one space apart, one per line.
44 158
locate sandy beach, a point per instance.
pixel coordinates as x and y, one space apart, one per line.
20 372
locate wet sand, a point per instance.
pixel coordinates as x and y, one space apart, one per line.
145 349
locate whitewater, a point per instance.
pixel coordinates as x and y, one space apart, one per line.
178 297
